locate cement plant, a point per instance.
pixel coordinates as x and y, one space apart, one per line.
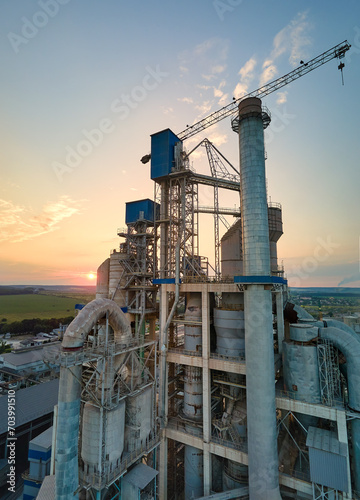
185 380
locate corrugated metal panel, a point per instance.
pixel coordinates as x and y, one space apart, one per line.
162 153
140 476
43 441
47 490
31 403
328 464
322 439
141 210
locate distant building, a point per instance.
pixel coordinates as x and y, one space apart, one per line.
39 459
34 414
21 366
353 321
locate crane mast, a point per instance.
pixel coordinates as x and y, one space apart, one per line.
336 52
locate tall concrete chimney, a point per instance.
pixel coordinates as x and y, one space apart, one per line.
259 351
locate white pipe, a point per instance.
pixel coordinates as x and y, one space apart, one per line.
66 461
76 333
349 345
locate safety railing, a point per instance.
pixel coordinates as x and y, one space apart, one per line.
185 426
237 359
90 352
101 480
240 446
294 395
181 350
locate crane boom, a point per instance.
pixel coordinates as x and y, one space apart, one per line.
336 52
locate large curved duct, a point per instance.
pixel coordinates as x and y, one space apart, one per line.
328 322
79 328
349 345
66 460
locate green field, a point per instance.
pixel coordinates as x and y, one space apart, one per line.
19 307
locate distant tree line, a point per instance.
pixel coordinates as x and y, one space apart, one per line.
34 326
12 290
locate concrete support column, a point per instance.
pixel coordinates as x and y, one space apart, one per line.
207 469
343 438
163 466
206 390
163 399
260 395
152 331
280 319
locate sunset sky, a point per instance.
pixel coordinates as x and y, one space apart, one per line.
84 84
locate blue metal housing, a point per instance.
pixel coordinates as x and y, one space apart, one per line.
141 210
162 153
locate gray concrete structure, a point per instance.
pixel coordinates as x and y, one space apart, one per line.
260 383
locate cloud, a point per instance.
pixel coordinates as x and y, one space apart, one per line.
292 40
207 58
224 100
168 110
207 62
240 90
188 100
215 70
218 47
269 72
299 38
218 92
247 71
204 108
204 87
18 223
281 97
218 138
246 74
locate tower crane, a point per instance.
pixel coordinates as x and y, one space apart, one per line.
338 52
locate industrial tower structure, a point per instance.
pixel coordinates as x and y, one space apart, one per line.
251 399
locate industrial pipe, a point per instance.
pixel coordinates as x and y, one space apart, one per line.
259 349
66 458
79 328
349 345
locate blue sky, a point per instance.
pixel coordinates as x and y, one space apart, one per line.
119 71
